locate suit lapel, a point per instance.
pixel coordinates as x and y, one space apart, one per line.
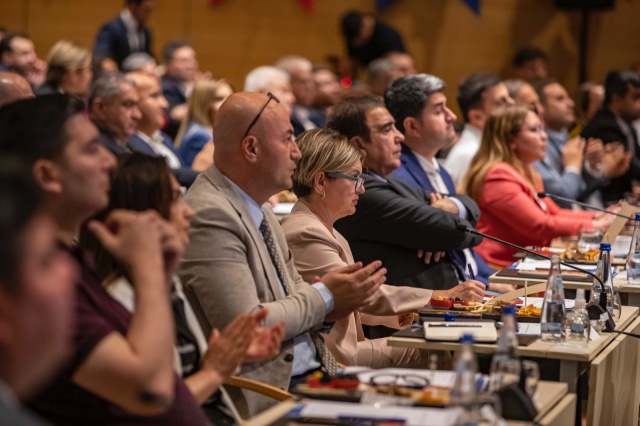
220 182
412 166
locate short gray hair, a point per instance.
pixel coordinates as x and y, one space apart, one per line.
261 78
407 96
292 63
380 69
136 61
107 86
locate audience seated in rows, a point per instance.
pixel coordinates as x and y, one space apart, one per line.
420 110
505 185
393 221
141 183
327 182
238 260
120 366
613 125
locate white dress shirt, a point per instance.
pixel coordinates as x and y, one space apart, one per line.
156 143
460 156
135 35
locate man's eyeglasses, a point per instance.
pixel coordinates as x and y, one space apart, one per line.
358 180
255 120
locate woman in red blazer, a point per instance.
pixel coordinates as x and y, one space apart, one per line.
502 181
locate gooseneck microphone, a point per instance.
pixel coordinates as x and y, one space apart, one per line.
594 310
578 203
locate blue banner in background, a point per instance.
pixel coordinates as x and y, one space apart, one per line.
474 5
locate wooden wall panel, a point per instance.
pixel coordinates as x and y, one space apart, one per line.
445 37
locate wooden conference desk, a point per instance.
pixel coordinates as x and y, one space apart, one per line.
612 353
629 294
555 407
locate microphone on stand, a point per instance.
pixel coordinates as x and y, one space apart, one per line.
594 310
578 203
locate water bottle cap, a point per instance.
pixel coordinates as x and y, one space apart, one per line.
467 338
605 247
637 217
450 316
509 310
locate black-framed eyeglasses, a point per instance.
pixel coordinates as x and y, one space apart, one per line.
255 120
358 180
399 380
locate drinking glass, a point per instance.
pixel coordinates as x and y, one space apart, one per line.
589 239
532 376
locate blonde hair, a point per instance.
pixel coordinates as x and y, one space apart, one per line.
199 105
65 56
499 130
323 150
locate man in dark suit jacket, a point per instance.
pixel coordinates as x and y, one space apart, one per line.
394 222
149 139
127 33
419 107
113 107
612 124
181 65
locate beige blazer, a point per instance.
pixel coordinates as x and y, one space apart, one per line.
317 251
226 271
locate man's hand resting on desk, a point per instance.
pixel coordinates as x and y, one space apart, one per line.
470 290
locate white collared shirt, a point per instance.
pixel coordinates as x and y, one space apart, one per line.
156 143
460 156
135 35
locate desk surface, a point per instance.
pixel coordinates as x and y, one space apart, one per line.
537 349
619 282
548 395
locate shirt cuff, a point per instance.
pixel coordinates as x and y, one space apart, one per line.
462 210
326 294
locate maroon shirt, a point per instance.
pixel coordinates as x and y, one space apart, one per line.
98 315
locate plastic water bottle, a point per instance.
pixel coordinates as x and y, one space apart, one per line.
464 392
504 361
633 258
553 309
577 324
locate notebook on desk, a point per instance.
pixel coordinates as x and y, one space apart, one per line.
482 332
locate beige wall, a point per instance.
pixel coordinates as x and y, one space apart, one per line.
443 35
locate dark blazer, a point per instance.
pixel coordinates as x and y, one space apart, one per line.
411 173
172 92
184 175
392 222
108 140
112 41
604 126
317 117
47 88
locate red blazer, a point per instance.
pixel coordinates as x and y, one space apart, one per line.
511 211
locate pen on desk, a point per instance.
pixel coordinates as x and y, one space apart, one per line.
471 274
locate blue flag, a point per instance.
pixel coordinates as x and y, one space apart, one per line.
474 5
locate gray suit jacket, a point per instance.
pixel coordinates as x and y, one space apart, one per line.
227 271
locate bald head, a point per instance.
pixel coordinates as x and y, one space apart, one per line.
13 87
236 114
262 162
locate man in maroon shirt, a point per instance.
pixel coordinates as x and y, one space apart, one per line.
120 370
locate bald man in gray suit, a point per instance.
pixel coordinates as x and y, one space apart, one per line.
238 260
